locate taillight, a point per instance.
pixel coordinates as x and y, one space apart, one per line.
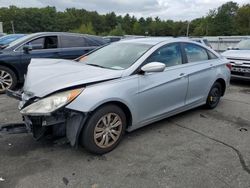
229 66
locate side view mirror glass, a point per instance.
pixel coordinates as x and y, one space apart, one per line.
154 67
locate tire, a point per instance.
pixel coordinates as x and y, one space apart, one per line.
214 96
8 79
100 139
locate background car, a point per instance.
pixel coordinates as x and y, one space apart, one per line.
239 57
122 86
7 39
15 58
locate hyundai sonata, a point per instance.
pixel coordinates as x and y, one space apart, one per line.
120 87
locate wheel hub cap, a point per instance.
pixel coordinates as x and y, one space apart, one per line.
108 130
214 95
5 80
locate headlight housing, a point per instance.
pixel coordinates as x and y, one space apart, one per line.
49 104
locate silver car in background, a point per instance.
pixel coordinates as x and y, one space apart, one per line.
120 87
239 57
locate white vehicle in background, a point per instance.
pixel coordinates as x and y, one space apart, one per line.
202 41
239 57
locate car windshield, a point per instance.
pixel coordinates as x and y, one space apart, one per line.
9 38
118 56
243 45
20 40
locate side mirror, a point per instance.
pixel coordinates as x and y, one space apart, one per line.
154 67
27 48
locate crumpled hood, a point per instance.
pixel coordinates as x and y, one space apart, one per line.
46 76
241 54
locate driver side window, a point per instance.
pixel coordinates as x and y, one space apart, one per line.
37 44
47 42
170 55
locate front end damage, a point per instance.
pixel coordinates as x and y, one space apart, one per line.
64 123
60 123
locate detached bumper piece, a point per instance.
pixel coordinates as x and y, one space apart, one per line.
60 124
14 94
16 128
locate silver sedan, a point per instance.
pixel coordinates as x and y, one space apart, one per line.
120 87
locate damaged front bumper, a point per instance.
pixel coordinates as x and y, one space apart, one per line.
64 123
61 123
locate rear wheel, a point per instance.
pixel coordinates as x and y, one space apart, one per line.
8 79
104 130
214 96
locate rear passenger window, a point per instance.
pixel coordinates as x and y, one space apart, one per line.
195 53
73 41
170 55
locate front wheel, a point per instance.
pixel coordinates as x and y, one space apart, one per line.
104 129
214 96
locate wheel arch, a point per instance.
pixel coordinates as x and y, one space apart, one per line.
121 105
223 85
11 68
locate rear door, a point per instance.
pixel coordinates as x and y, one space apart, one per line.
201 71
163 92
73 46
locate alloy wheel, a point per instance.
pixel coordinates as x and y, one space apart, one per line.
108 130
214 95
5 80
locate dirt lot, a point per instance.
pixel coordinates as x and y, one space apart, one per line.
198 148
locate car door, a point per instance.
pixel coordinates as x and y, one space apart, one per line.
74 46
201 71
41 47
163 92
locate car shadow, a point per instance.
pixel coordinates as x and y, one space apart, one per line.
164 122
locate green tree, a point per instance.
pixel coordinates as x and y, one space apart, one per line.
224 20
228 19
110 20
117 31
85 29
137 29
243 20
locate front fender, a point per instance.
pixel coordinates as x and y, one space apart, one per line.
124 90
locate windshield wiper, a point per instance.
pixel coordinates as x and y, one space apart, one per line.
95 65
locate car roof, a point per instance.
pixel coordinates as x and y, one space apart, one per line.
62 33
94 38
152 40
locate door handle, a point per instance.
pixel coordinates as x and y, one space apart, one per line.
182 74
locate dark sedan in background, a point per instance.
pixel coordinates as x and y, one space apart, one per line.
15 58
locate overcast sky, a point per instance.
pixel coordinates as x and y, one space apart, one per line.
165 9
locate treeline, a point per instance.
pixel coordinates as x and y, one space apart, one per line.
228 19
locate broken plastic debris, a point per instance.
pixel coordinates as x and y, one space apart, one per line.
65 181
2 179
242 129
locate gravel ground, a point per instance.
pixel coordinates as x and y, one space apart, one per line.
198 148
